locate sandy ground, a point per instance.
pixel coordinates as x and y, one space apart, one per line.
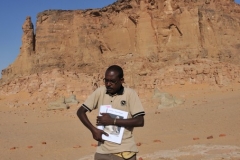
205 127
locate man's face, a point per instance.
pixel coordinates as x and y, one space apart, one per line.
112 82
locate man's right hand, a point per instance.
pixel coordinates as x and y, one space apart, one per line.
97 134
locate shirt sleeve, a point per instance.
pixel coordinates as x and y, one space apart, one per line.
91 102
136 107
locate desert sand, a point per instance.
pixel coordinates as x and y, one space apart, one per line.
205 127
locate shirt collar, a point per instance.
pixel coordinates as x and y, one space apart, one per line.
119 92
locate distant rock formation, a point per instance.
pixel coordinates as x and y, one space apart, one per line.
62 103
157 42
23 64
166 100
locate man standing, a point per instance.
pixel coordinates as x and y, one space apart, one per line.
120 98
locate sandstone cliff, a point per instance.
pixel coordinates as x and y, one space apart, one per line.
158 42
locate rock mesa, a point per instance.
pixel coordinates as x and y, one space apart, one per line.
157 42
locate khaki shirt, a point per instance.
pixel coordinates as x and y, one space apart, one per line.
125 99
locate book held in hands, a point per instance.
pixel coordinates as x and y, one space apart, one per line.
115 132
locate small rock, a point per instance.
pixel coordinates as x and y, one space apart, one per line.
222 135
94 145
13 148
44 142
77 146
139 144
196 138
157 140
210 137
29 146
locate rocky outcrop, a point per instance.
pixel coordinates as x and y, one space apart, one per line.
62 103
159 31
157 42
48 86
23 64
164 100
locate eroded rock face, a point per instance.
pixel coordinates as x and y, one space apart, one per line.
23 64
157 42
50 85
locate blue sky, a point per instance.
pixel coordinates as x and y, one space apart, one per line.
14 12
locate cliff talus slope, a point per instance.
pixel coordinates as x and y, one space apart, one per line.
157 42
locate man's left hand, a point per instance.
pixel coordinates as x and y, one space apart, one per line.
105 119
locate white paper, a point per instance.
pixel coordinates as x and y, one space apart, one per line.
115 132
103 109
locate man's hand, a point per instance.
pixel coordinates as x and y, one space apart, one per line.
97 134
105 119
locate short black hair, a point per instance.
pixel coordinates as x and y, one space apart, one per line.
117 69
